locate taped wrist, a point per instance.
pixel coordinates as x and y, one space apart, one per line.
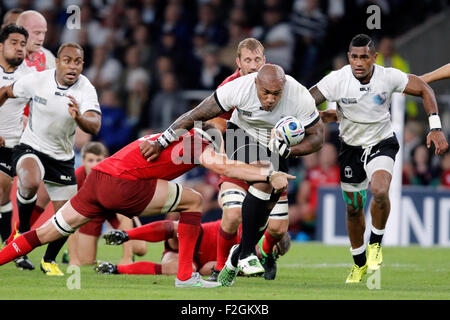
166 138
434 121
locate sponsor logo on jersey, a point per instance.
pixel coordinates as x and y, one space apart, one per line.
349 100
40 100
8 78
364 89
65 178
61 94
246 113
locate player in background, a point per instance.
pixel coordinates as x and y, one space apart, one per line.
363 92
83 243
62 99
12 53
131 185
10 16
250 57
261 99
205 253
438 74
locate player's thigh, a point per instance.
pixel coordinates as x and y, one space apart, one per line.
29 172
5 187
86 248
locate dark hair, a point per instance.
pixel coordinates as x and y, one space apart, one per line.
70 45
362 40
12 28
96 148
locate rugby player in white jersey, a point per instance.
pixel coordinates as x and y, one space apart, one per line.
12 52
362 91
61 100
261 99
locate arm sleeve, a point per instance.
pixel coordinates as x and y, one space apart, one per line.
89 101
398 79
23 88
307 111
229 95
328 86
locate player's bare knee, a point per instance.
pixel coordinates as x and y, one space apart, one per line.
353 212
232 218
139 248
195 201
380 193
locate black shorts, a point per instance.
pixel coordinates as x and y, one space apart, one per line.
245 148
6 161
351 159
56 171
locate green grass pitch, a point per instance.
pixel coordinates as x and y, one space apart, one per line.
309 271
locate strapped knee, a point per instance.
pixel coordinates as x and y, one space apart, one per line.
61 225
354 201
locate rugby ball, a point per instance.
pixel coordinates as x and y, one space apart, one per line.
289 130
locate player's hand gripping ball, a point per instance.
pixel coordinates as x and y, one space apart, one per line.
289 130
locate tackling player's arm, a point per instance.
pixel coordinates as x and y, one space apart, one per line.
417 87
326 115
219 163
90 121
6 93
313 141
438 74
206 110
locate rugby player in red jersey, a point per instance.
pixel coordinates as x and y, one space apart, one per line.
129 184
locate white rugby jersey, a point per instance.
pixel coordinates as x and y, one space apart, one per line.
50 128
363 109
11 113
241 93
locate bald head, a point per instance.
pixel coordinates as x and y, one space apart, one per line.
270 82
36 25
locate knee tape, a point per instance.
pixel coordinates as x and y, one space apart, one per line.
173 197
232 198
354 201
280 211
61 225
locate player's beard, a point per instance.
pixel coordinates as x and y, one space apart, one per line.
14 61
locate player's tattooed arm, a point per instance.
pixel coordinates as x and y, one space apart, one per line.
206 110
418 87
313 141
326 115
5 93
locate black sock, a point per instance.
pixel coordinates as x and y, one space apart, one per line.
375 238
25 208
360 259
53 249
255 213
5 221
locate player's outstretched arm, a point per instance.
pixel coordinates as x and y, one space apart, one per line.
418 87
89 122
438 74
6 93
313 141
220 164
206 110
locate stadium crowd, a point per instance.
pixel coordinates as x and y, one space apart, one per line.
152 60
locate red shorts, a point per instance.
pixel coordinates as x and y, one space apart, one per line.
103 194
94 227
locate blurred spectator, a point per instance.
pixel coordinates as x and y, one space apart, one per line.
309 25
212 73
135 83
104 71
175 24
227 55
388 57
412 137
445 166
420 171
207 23
324 172
115 132
168 104
277 38
11 16
141 40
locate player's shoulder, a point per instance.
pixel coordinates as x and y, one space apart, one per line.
83 82
231 77
386 71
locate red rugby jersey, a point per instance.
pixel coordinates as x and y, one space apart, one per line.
80 174
178 158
